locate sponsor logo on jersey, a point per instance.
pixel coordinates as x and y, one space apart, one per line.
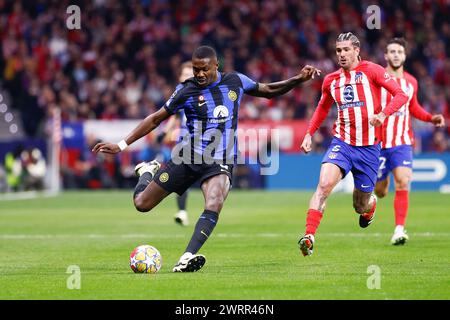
220 114
349 95
356 104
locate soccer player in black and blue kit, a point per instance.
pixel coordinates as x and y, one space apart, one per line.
210 101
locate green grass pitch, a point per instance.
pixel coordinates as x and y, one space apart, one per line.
252 253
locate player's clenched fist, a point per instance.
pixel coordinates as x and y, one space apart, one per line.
378 119
306 144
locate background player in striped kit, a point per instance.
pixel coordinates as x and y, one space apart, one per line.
211 102
355 90
177 124
397 137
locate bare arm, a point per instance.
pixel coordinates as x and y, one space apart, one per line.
274 89
145 127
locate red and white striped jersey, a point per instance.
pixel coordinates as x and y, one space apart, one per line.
397 128
356 94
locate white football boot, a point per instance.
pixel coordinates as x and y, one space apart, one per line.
151 167
400 237
181 218
190 262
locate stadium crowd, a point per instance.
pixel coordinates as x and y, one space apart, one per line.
124 61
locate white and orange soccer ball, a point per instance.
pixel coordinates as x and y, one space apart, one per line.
145 259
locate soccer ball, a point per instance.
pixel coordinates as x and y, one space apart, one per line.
145 259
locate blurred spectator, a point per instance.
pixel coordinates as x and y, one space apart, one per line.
123 62
90 170
3 184
34 169
439 142
14 170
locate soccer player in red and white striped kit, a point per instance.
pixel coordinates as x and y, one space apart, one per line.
355 90
398 138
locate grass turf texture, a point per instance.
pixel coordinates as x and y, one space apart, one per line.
252 254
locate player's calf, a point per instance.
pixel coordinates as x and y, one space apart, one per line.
367 218
146 199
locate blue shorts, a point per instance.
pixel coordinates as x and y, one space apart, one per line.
363 162
391 158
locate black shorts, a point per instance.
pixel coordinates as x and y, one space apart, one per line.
179 177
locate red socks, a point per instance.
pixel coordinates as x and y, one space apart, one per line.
401 202
312 221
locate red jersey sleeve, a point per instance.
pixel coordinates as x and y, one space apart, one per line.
414 106
383 79
323 107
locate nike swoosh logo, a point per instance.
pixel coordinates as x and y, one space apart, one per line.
363 186
201 103
204 234
406 162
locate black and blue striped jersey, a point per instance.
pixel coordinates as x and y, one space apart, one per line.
212 113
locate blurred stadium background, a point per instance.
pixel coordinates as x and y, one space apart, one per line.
62 90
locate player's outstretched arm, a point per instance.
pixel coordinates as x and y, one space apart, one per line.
145 127
170 126
420 113
274 89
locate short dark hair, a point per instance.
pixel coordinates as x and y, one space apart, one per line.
400 41
349 36
204 52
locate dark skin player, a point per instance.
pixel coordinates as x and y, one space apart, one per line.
215 189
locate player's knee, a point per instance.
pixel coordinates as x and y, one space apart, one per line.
140 204
381 193
215 202
325 187
403 183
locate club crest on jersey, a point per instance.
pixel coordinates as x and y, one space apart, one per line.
164 177
358 77
332 155
349 95
387 77
232 95
201 98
